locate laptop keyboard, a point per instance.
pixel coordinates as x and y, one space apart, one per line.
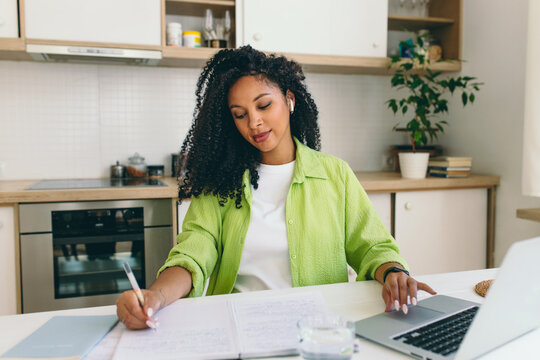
442 337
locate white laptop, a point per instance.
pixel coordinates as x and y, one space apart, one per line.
444 327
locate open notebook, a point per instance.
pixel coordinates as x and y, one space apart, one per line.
236 328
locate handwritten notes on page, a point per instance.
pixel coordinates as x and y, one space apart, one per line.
186 331
223 329
267 327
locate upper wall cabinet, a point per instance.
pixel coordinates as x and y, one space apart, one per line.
99 21
9 19
346 27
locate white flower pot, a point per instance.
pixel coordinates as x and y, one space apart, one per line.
413 165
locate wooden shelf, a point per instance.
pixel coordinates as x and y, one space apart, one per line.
186 57
13 49
412 23
197 57
529 214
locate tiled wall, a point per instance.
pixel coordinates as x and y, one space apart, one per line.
74 121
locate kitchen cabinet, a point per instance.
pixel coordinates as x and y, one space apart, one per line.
351 28
12 42
141 24
383 204
124 22
8 255
443 20
442 230
9 19
182 210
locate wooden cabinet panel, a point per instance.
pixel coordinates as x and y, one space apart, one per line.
443 230
383 205
182 210
9 19
8 277
350 27
119 21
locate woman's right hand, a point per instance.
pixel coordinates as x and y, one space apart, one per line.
130 312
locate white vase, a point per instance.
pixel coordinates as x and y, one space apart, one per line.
413 165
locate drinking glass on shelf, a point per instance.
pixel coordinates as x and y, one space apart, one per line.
227 26
209 31
423 8
411 9
402 10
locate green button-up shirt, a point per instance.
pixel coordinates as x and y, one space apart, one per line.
330 223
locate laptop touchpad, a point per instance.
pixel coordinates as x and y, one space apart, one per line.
416 315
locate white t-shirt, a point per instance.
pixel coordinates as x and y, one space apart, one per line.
265 260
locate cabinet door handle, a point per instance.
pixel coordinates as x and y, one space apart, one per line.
257 36
408 205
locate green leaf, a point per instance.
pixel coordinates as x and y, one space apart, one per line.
471 98
407 66
464 98
404 109
392 105
452 85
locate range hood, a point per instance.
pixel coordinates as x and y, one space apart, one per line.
85 54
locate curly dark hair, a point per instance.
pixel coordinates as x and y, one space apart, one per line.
216 153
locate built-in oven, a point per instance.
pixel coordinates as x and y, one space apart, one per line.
72 252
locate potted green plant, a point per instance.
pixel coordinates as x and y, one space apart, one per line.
423 93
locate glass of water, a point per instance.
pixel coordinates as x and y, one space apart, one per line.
325 337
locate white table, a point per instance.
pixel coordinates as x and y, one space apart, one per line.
353 301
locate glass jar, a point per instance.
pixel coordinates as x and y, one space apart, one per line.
155 171
431 46
136 166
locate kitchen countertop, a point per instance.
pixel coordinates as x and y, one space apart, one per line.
13 191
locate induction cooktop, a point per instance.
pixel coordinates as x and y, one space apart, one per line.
61 184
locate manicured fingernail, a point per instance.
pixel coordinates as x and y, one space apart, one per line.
405 309
150 324
396 305
414 302
408 300
150 312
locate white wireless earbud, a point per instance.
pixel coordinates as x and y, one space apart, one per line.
291 105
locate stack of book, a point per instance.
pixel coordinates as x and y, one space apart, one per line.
450 166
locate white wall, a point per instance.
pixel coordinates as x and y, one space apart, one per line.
74 121
491 131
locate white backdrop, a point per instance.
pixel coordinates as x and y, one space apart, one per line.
531 126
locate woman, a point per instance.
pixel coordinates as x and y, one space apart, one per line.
268 210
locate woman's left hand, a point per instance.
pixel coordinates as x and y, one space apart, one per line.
400 286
